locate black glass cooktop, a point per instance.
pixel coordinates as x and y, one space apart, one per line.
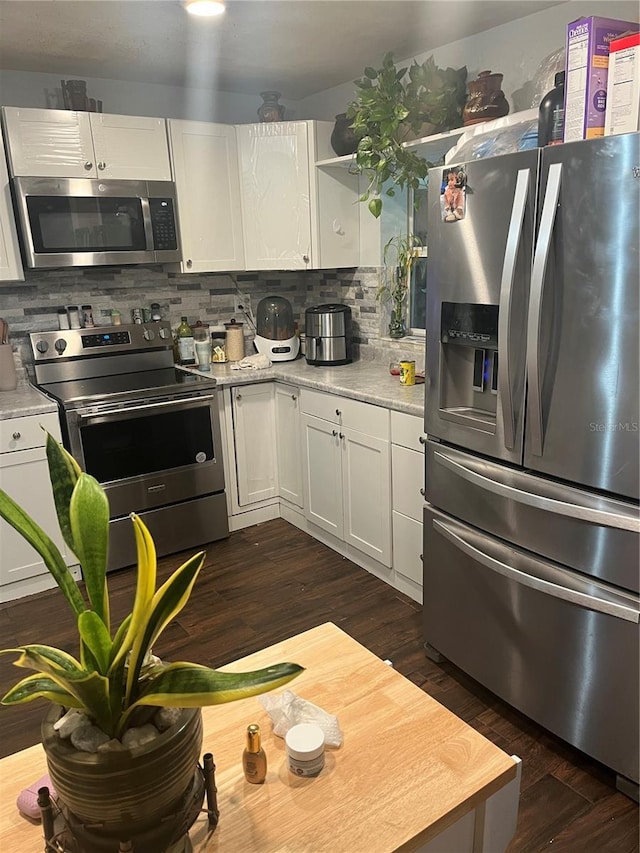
144 385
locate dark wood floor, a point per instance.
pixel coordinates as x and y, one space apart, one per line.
271 581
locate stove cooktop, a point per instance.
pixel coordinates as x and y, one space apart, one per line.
143 385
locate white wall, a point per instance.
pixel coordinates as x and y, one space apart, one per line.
515 49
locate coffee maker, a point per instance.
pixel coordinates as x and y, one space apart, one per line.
328 334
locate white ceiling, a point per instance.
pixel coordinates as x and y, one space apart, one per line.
298 47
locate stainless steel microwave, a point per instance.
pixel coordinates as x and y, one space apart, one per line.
77 222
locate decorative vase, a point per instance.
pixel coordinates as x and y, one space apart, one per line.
149 795
486 99
397 325
343 137
270 109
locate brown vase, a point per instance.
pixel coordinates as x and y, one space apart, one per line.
149 795
486 99
270 109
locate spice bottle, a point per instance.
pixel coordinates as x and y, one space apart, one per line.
186 346
254 760
74 316
87 317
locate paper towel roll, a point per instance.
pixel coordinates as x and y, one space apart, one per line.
8 375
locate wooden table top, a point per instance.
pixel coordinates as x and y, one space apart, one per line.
408 768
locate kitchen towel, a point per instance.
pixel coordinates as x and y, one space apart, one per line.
252 362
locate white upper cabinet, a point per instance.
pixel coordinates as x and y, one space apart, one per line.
10 262
205 168
71 144
294 216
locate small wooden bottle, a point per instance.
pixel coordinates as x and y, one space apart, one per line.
254 760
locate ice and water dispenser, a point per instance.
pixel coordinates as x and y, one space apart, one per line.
469 364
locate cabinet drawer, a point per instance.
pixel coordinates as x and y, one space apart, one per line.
354 414
407 478
27 432
407 430
407 547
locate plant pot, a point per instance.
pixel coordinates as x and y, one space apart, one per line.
149 794
343 137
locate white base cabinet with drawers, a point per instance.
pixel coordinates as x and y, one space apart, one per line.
407 465
347 472
24 476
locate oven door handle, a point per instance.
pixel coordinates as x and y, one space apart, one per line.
86 417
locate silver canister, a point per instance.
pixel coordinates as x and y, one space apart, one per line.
136 315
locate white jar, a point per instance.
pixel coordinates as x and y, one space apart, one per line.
305 749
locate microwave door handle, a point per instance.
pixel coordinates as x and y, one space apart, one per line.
581 599
505 385
540 259
615 520
148 226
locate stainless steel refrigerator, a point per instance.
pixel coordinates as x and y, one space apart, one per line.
531 526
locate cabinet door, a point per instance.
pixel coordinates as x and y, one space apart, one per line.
366 475
255 443
130 147
10 262
288 443
322 474
274 180
49 143
205 168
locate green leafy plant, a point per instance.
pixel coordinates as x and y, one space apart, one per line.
400 254
394 104
116 674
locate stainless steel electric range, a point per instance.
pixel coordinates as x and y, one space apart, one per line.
148 432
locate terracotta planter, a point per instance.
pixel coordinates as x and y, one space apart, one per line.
145 793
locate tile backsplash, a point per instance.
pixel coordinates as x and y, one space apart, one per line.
32 305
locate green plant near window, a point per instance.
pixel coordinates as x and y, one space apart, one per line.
394 105
115 675
400 254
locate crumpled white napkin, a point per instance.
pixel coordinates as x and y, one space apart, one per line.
252 362
287 710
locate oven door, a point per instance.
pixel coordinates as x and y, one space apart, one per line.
149 454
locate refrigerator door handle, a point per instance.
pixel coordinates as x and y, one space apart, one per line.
582 513
540 258
505 386
581 599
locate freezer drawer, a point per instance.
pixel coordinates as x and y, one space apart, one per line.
596 535
562 650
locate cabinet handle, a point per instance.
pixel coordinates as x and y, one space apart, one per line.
88 165
421 558
338 412
102 165
238 396
189 263
422 492
16 436
341 435
305 258
293 397
334 432
422 440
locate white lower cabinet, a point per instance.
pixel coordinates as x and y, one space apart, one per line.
288 452
347 471
407 454
255 444
24 476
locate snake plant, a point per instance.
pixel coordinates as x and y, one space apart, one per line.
115 673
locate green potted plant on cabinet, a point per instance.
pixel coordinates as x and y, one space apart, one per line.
116 681
393 106
400 254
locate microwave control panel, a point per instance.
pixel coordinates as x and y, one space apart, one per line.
163 224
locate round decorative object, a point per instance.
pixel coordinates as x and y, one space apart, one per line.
128 794
486 99
270 109
343 137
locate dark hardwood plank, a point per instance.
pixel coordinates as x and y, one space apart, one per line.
268 582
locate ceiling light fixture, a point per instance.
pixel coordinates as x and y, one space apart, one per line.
204 8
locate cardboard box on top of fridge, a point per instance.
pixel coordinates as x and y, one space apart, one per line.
623 89
586 73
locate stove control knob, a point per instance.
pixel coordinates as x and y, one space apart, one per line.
164 333
148 335
42 346
60 345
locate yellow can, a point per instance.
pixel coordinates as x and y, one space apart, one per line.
407 373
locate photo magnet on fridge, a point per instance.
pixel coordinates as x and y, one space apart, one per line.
453 194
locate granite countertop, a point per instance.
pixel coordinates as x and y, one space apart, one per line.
368 381
24 401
